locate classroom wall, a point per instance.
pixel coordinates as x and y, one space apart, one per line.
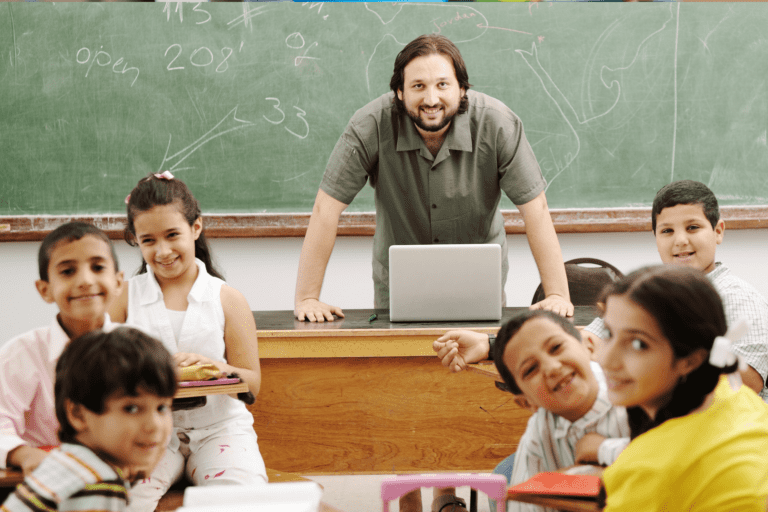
264 269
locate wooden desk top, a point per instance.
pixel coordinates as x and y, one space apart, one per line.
355 322
282 336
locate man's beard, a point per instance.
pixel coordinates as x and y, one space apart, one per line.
430 128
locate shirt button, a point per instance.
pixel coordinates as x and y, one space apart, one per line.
436 240
434 206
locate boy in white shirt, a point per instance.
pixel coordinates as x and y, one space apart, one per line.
79 272
548 369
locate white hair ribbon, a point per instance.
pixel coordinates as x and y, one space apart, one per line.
165 175
722 353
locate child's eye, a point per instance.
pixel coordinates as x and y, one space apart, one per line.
67 272
693 228
665 231
164 408
527 372
131 409
554 349
98 268
639 344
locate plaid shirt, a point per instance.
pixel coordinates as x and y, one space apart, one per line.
72 478
740 300
549 441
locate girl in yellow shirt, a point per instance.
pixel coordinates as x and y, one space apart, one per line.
699 439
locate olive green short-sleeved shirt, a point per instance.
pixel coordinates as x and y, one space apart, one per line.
450 198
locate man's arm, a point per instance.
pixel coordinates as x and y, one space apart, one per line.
315 253
549 259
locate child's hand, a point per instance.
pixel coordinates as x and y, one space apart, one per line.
187 359
587 447
456 349
27 458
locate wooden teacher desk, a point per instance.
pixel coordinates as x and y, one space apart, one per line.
353 396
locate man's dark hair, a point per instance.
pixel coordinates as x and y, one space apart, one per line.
422 46
509 329
98 364
68 232
686 192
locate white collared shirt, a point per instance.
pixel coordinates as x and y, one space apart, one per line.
549 441
27 374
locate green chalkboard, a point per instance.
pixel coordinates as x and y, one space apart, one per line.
246 101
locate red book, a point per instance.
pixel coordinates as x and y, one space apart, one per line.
561 485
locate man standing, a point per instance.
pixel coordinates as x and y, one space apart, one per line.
438 156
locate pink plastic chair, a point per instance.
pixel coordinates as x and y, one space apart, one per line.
495 486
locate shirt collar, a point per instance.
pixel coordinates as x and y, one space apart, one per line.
152 293
717 271
600 408
459 136
59 337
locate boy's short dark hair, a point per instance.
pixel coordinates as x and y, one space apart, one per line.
509 329
98 364
68 232
686 192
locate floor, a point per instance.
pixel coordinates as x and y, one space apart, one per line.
362 493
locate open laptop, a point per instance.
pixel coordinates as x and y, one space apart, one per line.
444 282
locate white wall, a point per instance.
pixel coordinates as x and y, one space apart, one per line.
264 269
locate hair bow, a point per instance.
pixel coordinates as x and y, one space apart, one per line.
165 175
128 199
722 353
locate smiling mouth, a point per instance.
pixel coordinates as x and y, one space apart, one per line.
167 264
564 382
684 255
431 111
87 297
614 383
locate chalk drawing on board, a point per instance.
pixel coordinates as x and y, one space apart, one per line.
230 118
461 14
564 106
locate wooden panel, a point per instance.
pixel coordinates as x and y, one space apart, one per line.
381 415
254 225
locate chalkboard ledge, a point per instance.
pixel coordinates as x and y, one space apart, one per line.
254 225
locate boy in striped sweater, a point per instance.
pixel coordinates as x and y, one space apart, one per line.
113 395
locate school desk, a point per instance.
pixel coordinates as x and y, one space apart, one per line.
10 478
355 396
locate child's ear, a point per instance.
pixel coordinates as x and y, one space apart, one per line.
75 415
197 227
692 361
120 277
523 402
44 289
719 231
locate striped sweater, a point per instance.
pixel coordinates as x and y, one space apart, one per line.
72 478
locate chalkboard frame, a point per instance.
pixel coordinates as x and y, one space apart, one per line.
258 225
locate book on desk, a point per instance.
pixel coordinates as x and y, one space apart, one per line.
563 491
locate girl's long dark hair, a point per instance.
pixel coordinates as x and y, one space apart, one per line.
690 314
152 191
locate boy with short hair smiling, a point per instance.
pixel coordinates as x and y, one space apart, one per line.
686 222
113 401
548 368
79 272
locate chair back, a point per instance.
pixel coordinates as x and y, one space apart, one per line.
586 279
494 486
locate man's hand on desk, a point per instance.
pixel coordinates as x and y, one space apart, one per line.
556 304
456 349
313 310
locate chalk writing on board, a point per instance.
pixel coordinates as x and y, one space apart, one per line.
296 41
300 115
103 58
200 57
245 18
179 9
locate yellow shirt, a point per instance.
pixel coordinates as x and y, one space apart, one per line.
713 460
